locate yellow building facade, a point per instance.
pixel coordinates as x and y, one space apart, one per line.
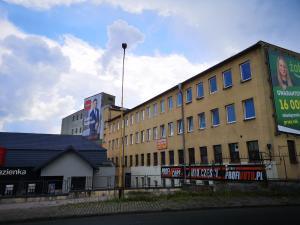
226 116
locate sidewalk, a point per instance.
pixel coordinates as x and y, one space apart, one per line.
88 207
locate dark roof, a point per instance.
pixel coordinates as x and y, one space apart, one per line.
34 150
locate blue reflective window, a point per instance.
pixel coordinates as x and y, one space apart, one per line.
249 110
213 84
230 113
189 95
162 106
215 117
227 79
202 123
245 71
170 102
179 99
200 90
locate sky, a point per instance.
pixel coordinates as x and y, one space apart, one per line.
55 53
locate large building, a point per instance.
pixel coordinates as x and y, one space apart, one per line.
241 111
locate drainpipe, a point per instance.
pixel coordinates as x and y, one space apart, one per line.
183 132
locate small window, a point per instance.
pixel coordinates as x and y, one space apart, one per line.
130 161
117 161
142 160
179 126
73 117
227 79
163 158
189 95
203 154
148 159
155 159
148 111
162 106
136 137
231 118
180 157
292 151
249 110
31 188
190 123
131 119
136 160
171 157
218 154
213 85
9 189
215 119
171 128
162 131
142 136
234 153
148 134
170 103
143 114
126 140
137 117
191 156
131 139
155 109
245 71
125 164
154 133
200 90
253 151
179 99
202 123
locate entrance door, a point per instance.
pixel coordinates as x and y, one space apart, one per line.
78 183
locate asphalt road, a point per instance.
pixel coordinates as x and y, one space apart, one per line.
271 215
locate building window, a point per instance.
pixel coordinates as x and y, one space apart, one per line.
73 117
245 71
130 161
230 113
292 151
131 119
162 131
155 109
154 133
189 95
142 136
249 110
215 119
117 161
179 99
190 123
148 134
31 188
80 130
155 160
227 79
126 140
137 117
136 160
80 115
202 123
162 106
142 160
143 114
179 126
9 189
148 159
170 103
234 152
72 131
200 90
125 161
113 144
203 154
163 158
136 137
253 151
213 85
148 111
171 128
180 157
218 154
131 139
126 121
191 156
171 157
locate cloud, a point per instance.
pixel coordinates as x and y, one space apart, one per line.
42 81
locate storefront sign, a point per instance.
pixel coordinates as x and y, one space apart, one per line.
228 172
285 73
161 144
15 171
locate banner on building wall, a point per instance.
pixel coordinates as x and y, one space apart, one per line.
225 173
92 117
285 73
2 156
161 144
15 171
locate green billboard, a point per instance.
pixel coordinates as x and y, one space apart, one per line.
285 73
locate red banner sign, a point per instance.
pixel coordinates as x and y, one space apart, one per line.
228 172
2 156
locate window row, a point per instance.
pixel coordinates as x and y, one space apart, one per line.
76 130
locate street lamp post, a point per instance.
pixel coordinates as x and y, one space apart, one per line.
121 171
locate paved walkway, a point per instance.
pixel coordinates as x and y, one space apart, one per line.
85 207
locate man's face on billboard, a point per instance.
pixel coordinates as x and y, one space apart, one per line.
94 104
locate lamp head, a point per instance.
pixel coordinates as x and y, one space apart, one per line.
124 46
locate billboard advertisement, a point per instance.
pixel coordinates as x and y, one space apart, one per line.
285 74
161 144
225 173
92 117
2 156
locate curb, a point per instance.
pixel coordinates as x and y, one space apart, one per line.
63 217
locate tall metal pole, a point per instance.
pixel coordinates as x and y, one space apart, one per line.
121 171
183 133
